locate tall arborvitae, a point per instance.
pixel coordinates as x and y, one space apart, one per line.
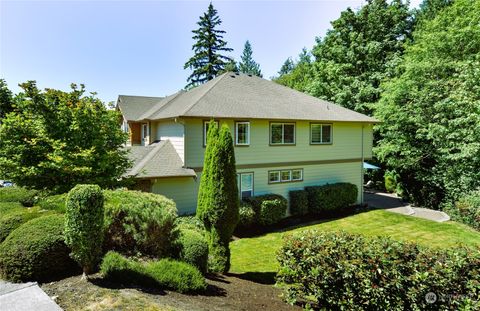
247 64
207 62
218 196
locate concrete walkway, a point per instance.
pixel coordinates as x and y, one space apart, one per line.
25 297
392 203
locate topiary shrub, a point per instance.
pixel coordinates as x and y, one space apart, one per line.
298 202
139 222
54 202
247 215
193 249
269 208
84 225
165 273
341 271
36 252
25 196
331 197
466 210
15 218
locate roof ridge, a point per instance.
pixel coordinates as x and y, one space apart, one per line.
211 87
147 158
148 113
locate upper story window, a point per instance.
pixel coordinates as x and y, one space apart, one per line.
282 133
320 133
205 131
242 133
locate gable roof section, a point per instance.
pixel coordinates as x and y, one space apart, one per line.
234 95
133 107
157 160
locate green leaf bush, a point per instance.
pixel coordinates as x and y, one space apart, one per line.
139 222
193 249
54 202
466 210
247 216
165 273
16 217
190 222
331 197
25 196
341 271
298 202
36 251
269 208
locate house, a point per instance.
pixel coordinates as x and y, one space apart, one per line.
284 139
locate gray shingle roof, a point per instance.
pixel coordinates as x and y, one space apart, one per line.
242 96
157 160
133 107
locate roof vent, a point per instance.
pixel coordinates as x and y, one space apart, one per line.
249 74
237 73
232 76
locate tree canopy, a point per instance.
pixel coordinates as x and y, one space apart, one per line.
247 64
6 99
208 60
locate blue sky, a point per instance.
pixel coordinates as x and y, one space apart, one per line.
140 47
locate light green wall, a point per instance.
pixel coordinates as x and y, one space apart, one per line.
183 190
347 138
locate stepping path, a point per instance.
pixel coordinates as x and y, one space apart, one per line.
25 297
392 203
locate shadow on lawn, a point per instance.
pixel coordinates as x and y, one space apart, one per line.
267 278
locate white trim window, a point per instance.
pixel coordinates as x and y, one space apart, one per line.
286 176
125 126
245 185
242 133
320 133
282 133
145 134
273 177
205 131
283 176
297 175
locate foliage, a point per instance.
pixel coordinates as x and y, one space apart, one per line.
231 66
218 196
431 118
345 271
56 140
165 273
194 249
331 197
390 181
298 202
300 75
247 65
287 67
36 251
466 210
139 222
190 222
6 100
84 225
247 216
27 197
269 208
15 217
54 202
207 62
7 207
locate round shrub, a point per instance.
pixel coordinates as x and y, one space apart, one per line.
36 252
298 202
15 218
54 203
193 249
269 208
139 222
331 197
247 215
7 207
25 196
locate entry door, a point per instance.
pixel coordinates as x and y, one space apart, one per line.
145 134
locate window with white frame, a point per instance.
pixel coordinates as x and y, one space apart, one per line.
242 133
282 176
282 133
245 185
205 131
320 133
125 126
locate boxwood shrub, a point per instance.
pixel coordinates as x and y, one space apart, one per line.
36 252
139 222
54 202
341 271
165 273
190 222
331 197
16 217
298 202
25 196
269 208
247 215
193 249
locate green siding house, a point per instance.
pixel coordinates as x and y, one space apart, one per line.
284 139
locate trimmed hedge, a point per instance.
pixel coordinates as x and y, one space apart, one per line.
247 215
269 208
331 197
193 249
190 222
7 207
165 273
343 271
15 218
466 210
36 252
54 203
26 197
139 222
298 202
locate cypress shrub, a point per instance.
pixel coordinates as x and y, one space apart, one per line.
331 197
194 249
84 225
218 196
298 202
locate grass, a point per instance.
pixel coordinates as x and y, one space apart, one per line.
255 257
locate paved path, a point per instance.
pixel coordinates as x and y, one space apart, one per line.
392 203
25 297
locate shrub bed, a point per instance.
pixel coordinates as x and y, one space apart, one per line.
15 218
190 222
331 197
36 252
7 207
54 203
26 197
139 222
466 210
165 273
352 272
269 208
193 249
298 202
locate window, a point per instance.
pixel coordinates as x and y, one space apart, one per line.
242 133
245 185
320 133
282 133
125 126
205 131
285 176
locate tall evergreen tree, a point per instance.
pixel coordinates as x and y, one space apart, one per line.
287 67
247 64
208 60
230 66
6 99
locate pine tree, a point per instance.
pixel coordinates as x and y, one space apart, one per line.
207 61
230 66
247 64
287 67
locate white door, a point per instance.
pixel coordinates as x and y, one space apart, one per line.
145 134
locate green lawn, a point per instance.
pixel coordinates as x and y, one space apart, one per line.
256 256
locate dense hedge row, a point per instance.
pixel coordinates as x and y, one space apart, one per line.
268 208
298 202
352 272
466 210
331 197
26 197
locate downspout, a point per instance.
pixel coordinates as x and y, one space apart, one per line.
361 170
